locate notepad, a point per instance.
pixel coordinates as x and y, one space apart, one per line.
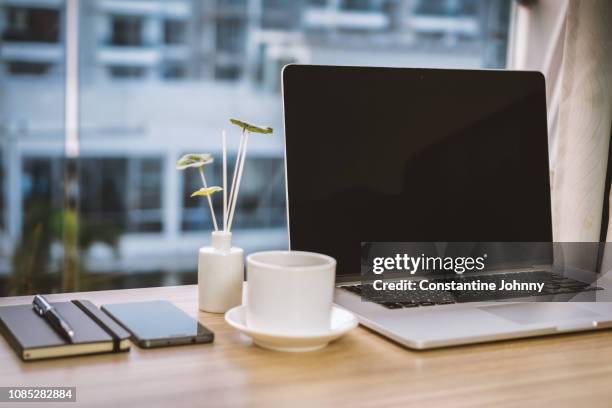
33 338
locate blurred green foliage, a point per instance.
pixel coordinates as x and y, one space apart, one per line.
35 270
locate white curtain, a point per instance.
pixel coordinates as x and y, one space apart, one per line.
571 42
582 139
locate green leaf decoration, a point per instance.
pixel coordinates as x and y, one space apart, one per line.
206 192
252 128
193 160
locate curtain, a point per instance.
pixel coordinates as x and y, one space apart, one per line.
580 134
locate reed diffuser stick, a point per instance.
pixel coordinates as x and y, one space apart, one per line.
212 211
224 181
235 176
237 188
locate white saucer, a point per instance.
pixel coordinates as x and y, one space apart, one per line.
342 321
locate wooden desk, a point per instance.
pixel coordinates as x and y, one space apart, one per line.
361 369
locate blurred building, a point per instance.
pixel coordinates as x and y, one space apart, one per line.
160 78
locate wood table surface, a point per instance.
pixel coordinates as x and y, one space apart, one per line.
360 369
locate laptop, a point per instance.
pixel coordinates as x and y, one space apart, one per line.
438 157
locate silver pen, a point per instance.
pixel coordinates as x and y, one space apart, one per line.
52 316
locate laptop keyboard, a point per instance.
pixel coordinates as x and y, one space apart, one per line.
554 285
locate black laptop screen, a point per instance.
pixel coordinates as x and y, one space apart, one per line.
388 154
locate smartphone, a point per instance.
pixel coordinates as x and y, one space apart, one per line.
158 324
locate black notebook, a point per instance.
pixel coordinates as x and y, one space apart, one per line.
33 338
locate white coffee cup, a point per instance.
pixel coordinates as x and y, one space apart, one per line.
290 292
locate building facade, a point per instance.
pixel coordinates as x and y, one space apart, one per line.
161 78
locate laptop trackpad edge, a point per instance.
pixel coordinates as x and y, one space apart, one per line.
533 313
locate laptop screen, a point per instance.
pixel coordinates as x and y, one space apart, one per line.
418 155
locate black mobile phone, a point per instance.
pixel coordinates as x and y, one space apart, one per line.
158 324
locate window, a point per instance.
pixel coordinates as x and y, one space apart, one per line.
27 68
154 86
279 14
26 24
127 31
317 3
174 70
174 32
230 34
231 3
227 72
124 193
448 7
103 190
126 71
35 263
361 5
144 201
40 175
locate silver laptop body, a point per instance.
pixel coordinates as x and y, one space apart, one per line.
330 111
434 326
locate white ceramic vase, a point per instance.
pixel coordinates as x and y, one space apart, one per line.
220 274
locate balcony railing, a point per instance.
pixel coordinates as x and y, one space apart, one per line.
141 56
31 52
168 8
466 25
318 18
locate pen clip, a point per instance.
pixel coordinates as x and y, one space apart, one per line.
37 309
